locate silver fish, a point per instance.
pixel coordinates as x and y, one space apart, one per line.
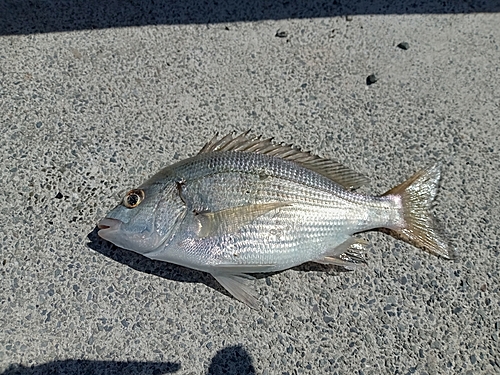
247 205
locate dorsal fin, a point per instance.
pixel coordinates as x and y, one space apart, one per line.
326 167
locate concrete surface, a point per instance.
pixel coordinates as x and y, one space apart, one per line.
88 114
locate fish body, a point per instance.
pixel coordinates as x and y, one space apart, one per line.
245 205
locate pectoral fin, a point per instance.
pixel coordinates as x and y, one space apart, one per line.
232 219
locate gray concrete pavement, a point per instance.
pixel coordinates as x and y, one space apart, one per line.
87 114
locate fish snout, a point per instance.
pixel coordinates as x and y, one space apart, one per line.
107 227
139 238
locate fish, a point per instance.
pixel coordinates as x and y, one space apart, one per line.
246 205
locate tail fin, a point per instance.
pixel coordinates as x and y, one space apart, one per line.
417 194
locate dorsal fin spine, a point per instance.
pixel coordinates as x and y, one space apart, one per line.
328 168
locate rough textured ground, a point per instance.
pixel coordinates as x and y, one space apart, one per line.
87 114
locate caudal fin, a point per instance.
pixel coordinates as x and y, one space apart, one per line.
417 195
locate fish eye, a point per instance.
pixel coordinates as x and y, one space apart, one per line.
133 198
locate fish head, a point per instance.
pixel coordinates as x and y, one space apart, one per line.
146 218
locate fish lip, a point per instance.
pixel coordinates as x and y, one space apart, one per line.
108 226
111 231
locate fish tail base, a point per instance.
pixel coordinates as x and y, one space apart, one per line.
419 228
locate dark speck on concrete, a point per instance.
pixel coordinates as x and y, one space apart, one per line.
371 79
403 45
457 310
327 319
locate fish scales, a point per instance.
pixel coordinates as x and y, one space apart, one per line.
320 210
245 205
264 177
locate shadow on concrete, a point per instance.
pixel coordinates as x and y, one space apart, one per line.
87 367
158 268
44 16
232 360
175 272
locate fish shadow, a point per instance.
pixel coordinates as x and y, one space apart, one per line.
158 268
178 273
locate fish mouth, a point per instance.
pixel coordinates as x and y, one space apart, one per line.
112 230
108 227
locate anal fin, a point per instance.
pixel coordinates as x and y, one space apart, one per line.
350 254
